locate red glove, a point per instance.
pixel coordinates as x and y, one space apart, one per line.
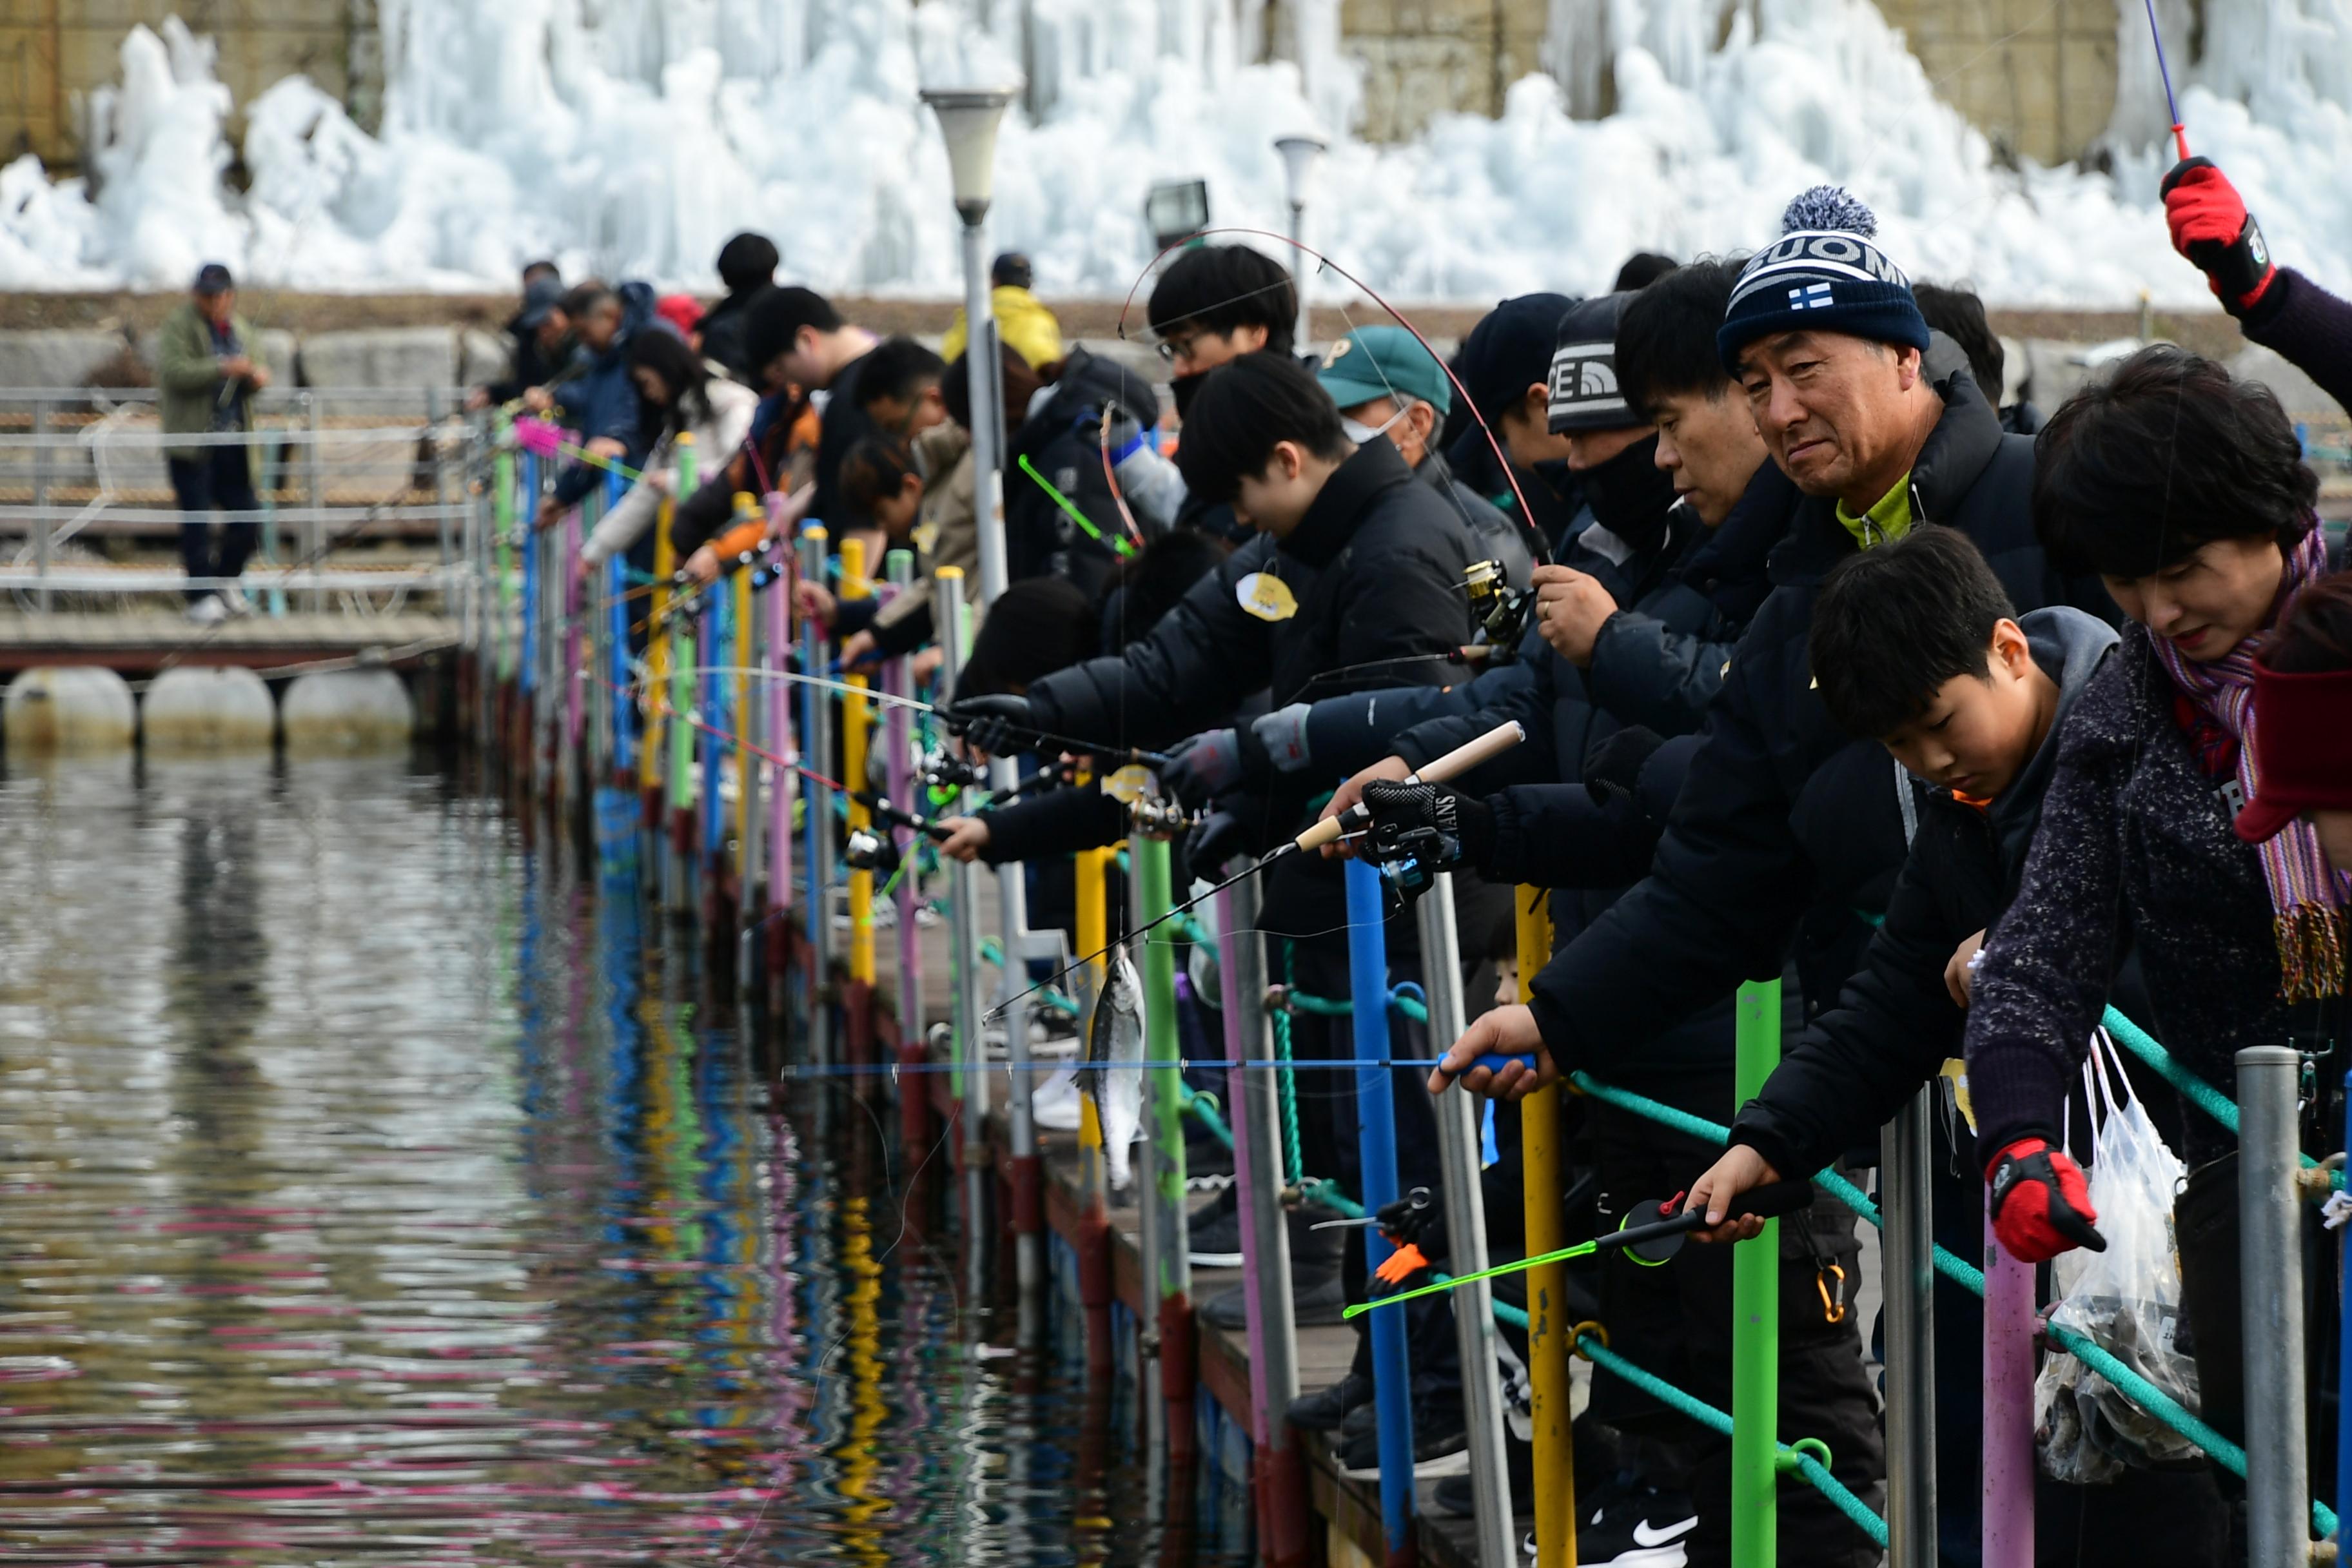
2041 1203
2212 227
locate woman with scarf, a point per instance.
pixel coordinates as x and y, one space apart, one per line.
2186 491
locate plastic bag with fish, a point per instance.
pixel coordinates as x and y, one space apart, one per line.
1114 1077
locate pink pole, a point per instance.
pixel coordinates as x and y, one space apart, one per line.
571 586
2009 1325
780 715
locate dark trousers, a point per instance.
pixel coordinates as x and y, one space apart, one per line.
219 477
1675 1321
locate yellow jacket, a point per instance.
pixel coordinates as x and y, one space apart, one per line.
1022 321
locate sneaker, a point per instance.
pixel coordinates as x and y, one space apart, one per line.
1629 1525
1438 1434
1326 1408
1457 1496
1054 1104
207 611
1216 1232
234 601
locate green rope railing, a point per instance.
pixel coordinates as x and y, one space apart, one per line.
2199 1093
1969 1277
1204 1108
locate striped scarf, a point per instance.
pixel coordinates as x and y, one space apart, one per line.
2307 896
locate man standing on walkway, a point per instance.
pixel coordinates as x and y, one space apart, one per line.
208 376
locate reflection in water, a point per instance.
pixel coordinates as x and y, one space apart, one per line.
371 1190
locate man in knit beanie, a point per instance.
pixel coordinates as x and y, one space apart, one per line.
1786 833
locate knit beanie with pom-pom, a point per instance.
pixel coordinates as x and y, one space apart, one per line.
1824 271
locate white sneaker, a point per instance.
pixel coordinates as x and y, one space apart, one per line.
1054 1104
232 599
208 611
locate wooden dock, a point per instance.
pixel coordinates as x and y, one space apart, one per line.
137 642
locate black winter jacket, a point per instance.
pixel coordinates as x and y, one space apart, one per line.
725 333
1896 1023
1041 539
1788 830
2136 844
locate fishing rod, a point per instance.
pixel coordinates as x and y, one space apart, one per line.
2172 106
1652 1242
819 1070
1461 760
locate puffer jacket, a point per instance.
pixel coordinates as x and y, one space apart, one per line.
726 418
1896 1023
1788 832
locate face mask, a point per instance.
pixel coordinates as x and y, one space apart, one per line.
1630 494
1361 432
1183 388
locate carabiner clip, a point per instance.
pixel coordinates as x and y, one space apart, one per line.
1834 1306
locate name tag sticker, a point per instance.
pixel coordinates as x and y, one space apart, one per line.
1266 597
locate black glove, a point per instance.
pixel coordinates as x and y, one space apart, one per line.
1409 1218
1230 829
1613 770
999 725
1213 763
1427 825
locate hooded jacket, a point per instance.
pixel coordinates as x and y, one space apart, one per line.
1895 1024
600 400
1787 830
726 416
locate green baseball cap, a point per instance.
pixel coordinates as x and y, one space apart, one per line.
1383 362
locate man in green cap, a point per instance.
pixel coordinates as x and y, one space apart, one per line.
1387 384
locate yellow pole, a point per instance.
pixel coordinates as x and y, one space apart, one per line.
1093 927
651 730
854 722
1547 1325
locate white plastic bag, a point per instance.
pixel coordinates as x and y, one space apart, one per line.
2126 1299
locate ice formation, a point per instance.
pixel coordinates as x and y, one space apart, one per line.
630 137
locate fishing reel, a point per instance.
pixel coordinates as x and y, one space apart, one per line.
941 771
1501 609
1159 818
1412 844
869 850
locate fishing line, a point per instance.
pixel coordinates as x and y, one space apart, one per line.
1501 456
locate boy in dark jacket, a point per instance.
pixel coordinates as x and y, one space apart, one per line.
1915 645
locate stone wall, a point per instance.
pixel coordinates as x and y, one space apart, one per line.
2037 76
1427 58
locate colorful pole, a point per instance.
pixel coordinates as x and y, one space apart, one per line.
1907 1273
1548 1322
1164 1115
1096 1291
856 718
948 619
1368 989
2008 1479
816 805
897 729
780 719
1755 1318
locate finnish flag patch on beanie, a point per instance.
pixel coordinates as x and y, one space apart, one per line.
1825 271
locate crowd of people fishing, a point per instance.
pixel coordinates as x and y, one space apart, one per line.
1969 722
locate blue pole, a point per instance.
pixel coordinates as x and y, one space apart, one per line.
2344 1393
527 672
720 636
616 584
1368 987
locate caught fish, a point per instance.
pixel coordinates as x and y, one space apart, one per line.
1115 1060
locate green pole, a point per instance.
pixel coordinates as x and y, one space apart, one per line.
502 515
1755 1317
680 787
1160 1046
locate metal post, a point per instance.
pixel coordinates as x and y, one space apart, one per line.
897 729
816 732
1549 1381
1755 1317
717 641
750 726
2270 1284
441 474
1280 1470
780 739
963 895
41 502
1466 1225
1092 1244
1367 990
1298 272
1171 1287
2010 1321
314 527
856 716
1907 1276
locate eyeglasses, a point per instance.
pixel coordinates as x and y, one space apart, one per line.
1178 347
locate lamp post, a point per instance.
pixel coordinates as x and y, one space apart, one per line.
968 119
1299 155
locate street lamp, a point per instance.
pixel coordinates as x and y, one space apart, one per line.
968 119
1175 211
1299 154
